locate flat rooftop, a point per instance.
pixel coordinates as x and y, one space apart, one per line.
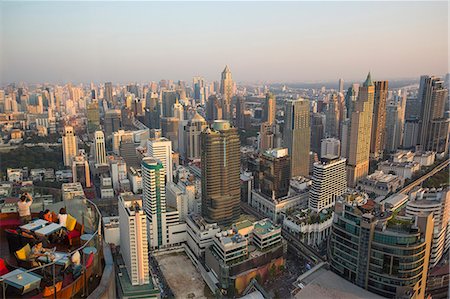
144 291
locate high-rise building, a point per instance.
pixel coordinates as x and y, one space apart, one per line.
437 203
328 182
192 132
164 228
410 133
227 92
378 119
350 99
133 238
80 170
394 126
240 109
93 117
70 145
99 147
275 168
169 129
359 137
152 111
161 149
178 111
266 137
341 85
221 190
379 251
270 109
169 98
108 92
213 109
330 148
332 115
317 129
113 121
297 133
434 128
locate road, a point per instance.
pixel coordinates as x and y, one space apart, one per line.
420 180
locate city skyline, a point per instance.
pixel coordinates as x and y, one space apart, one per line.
287 42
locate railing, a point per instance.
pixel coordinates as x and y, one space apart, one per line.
86 211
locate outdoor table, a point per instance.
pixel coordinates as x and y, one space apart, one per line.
84 238
48 229
34 225
23 281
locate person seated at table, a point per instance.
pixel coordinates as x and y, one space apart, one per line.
76 264
62 217
46 215
38 250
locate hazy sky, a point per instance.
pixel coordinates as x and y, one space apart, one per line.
267 41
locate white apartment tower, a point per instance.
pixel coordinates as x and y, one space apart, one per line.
70 146
328 182
99 145
133 238
161 149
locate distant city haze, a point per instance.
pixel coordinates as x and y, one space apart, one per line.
260 41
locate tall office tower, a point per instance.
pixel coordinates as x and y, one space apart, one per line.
317 129
434 128
221 185
297 134
169 98
226 90
178 111
169 129
274 165
113 121
394 127
381 258
70 145
108 92
213 109
99 145
410 133
133 236
341 85
93 117
153 111
412 108
192 132
328 183
80 170
378 120
437 203
350 99
359 137
270 109
332 115
266 137
330 148
199 86
161 149
240 109
154 197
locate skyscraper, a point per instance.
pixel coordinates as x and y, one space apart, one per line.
316 131
341 85
133 236
328 182
169 129
378 119
113 121
178 111
266 137
192 133
434 128
297 131
214 109
93 117
270 109
169 98
99 146
80 170
108 92
70 145
359 138
161 149
332 115
275 165
240 109
154 196
226 90
221 190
